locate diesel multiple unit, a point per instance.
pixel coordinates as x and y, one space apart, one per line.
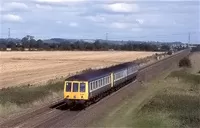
92 84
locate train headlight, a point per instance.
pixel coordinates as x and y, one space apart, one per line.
74 97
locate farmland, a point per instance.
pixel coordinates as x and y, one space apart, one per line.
37 68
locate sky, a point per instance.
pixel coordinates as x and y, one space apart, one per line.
148 20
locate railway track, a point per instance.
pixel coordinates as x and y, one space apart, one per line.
58 114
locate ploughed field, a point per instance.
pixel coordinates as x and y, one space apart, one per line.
37 68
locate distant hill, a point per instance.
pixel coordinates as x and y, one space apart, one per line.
3 40
60 40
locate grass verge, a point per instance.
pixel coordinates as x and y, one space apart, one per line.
178 105
186 76
28 94
15 99
170 102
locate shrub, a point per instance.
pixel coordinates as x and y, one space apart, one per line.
169 52
185 62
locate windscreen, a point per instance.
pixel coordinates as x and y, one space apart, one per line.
68 87
75 87
82 87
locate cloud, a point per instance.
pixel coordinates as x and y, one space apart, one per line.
73 24
44 7
119 25
140 21
14 6
135 29
59 22
96 18
11 18
59 1
122 7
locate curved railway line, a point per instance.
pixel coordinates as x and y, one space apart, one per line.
59 115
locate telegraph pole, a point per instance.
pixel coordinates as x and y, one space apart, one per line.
8 33
189 37
189 34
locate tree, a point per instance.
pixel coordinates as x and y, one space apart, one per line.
28 41
65 46
97 45
39 44
2 46
165 47
11 45
33 43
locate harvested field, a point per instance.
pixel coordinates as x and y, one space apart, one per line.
21 68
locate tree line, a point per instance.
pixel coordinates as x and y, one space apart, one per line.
30 43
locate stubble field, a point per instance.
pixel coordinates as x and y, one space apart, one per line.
22 68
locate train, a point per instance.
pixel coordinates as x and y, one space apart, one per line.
91 85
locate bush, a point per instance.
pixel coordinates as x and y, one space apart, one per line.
185 62
169 52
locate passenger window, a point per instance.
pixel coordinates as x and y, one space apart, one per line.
68 87
82 87
75 87
93 86
90 85
99 82
96 84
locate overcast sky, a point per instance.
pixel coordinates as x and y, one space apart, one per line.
155 20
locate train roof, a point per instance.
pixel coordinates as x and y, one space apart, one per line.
94 74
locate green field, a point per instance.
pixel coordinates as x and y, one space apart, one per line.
172 101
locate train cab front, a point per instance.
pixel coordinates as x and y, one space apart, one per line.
76 92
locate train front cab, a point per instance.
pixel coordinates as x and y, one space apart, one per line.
76 91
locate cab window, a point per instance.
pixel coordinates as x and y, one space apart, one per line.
68 87
75 87
82 87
